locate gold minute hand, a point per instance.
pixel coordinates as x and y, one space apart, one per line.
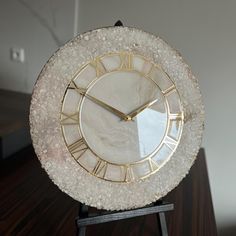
102 104
140 109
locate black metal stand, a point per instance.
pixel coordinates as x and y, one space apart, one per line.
159 208
118 23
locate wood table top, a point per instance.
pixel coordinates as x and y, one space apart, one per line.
30 204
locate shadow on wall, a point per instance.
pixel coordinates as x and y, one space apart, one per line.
227 231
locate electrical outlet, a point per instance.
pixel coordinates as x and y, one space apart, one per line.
17 54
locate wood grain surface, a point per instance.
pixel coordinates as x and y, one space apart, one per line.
30 204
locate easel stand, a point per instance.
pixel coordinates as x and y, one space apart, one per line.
159 208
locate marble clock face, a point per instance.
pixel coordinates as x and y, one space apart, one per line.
116 118
121 117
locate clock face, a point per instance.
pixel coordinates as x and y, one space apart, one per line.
116 118
121 117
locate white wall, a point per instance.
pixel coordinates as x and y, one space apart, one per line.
37 26
204 31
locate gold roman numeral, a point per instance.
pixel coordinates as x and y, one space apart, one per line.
169 90
78 148
129 174
176 116
79 90
125 61
100 168
99 67
152 164
69 119
170 142
147 72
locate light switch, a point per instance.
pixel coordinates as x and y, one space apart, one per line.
17 54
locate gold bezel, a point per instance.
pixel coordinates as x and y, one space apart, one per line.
147 158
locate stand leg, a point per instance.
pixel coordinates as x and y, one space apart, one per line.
161 220
81 231
83 213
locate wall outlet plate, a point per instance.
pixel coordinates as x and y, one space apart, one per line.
17 54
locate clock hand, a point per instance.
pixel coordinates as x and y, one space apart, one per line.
140 109
102 104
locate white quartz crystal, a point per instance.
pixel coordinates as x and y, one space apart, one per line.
46 107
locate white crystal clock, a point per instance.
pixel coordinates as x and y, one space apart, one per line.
116 118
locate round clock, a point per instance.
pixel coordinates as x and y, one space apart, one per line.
116 118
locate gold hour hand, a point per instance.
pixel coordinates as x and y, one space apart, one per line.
140 109
101 103
106 106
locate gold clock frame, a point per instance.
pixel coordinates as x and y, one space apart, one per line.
126 62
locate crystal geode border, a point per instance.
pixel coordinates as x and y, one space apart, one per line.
45 119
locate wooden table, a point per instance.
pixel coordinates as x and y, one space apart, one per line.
30 204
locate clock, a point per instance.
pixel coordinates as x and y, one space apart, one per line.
116 118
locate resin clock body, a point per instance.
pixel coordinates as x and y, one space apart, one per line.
116 118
